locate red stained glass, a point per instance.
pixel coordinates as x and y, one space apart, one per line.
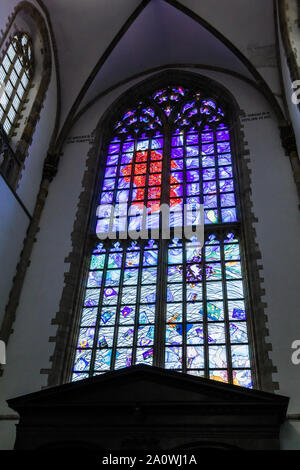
173 180
153 206
154 193
155 167
155 155
154 180
126 172
140 169
174 165
141 157
139 181
140 194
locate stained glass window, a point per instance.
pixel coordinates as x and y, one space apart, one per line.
16 72
175 302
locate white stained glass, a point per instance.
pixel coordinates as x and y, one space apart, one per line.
13 78
6 63
7 126
24 81
18 67
11 52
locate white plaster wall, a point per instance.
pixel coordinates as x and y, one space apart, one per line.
13 226
278 233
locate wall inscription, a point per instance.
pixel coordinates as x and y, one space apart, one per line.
256 116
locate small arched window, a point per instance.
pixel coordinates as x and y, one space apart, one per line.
169 302
16 72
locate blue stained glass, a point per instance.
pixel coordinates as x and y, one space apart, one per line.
91 297
108 184
240 356
132 258
227 200
107 198
192 176
209 187
123 183
226 186
208 149
123 358
176 177
232 251
108 316
243 378
82 360
192 151
238 332
97 261
144 356
110 172
175 255
217 357
174 274
86 338
192 189
194 312
114 260
223 147
193 292
210 201
192 139
114 148
191 163
157 143
225 172
211 216
112 160
128 146
89 316
177 141
195 357
177 152
173 357
225 159
207 137
209 174
143 145
208 161
236 310
174 313
235 290
229 215
222 135
94 279
103 359
126 158
212 253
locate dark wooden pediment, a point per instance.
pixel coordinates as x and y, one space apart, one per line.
162 408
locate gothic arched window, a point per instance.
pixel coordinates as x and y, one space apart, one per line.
15 75
167 301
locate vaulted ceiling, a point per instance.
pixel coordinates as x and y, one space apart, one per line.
238 35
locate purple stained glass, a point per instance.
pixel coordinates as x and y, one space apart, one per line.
208 149
207 137
209 187
227 200
209 174
226 186
112 159
107 197
128 147
223 147
192 151
177 152
110 172
225 159
222 135
113 148
192 189
229 215
225 172
192 139
192 176
177 141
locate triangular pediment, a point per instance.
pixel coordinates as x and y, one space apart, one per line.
145 384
